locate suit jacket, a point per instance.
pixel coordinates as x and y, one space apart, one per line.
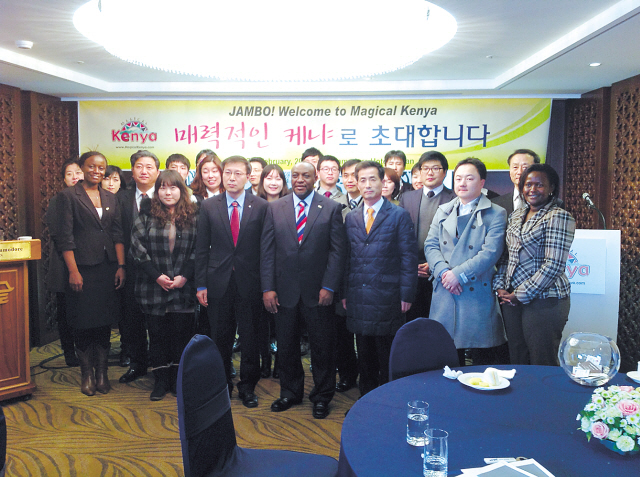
217 257
505 201
381 270
411 202
150 250
471 318
81 228
298 271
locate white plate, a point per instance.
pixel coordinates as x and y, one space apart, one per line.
464 379
635 375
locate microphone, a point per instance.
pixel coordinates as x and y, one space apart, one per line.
587 198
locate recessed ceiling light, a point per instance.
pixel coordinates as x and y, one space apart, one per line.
24 44
594 64
254 40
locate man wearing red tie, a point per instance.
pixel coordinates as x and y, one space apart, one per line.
228 272
302 260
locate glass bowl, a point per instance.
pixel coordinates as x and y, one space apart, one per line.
589 359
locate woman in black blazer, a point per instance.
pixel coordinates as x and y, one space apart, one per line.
90 239
57 273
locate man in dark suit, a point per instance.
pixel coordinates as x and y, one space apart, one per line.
422 205
302 260
380 273
133 333
397 160
518 162
227 272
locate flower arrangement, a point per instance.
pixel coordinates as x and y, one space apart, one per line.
613 417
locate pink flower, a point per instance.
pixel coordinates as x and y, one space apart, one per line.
627 388
599 430
627 407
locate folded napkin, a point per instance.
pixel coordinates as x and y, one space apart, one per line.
507 374
451 374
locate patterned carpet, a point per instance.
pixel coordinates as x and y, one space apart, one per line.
61 432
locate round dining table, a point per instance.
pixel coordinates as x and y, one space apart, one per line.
535 417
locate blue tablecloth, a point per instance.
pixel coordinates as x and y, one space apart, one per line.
535 417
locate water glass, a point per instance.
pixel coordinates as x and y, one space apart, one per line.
417 422
436 453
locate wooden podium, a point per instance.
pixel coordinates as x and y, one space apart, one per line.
15 376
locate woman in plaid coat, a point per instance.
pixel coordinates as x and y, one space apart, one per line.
530 283
163 247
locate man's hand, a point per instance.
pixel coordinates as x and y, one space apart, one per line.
270 300
178 282
75 281
344 303
326 297
405 306
423 270
164 281
451 283
201 295
120 277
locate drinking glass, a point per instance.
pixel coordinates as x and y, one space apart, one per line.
436 453
417 422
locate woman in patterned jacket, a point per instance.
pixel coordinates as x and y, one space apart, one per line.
530 283
163 246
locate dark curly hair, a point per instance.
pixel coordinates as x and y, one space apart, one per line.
185 210
197 186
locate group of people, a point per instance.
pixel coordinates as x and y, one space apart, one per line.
350 268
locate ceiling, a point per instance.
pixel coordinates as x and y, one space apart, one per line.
502 48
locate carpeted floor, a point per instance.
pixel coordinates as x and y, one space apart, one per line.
61 432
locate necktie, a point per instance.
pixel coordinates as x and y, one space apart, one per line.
327 194
353 203
430 194
143 196
369 219
235 223
301 220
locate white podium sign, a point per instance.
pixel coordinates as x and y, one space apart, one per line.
593 268
586 265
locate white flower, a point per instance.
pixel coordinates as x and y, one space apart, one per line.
611 420
623 423
597 399
613 412
634 419
625 444
585 424
614 435
590 407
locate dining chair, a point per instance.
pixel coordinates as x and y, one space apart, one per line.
421 345
207 433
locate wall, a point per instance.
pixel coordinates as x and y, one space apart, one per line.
38 133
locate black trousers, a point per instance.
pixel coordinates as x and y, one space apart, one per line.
422 303
346 361
322 343
64 329
225 315
168 337
133 331
373 361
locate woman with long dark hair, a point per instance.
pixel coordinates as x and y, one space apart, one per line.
90 239
163 247
273 183
530 283
208 180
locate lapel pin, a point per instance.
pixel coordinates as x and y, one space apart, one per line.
249 206
107 208
319 206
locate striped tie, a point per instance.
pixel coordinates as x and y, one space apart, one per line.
301 220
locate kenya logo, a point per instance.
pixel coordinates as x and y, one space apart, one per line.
573 266
133 130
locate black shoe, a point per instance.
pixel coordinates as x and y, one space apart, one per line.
344 385
71 359
283 403
132 374
125 360
320 410
233 372
161 386
249 399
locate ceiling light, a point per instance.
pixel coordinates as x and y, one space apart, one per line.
279 40
594 64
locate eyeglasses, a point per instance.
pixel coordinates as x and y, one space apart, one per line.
434 169
326 170
229 174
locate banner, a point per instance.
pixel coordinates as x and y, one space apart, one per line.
279 131
586 265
